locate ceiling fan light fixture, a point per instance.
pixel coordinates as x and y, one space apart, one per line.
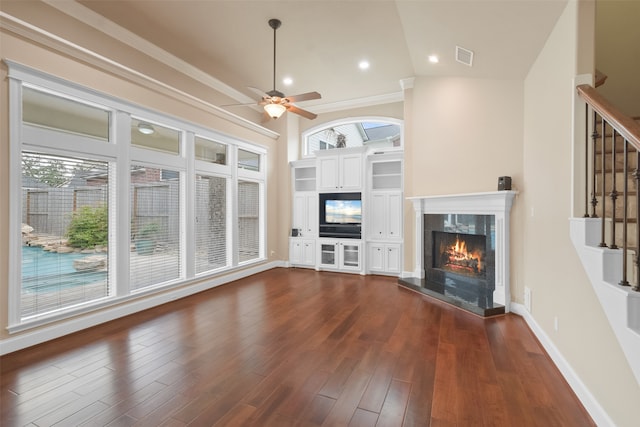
275 110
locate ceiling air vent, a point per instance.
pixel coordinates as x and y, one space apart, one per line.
464 56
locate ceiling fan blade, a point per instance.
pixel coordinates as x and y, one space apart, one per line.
259 92
304 97
304 113
238 105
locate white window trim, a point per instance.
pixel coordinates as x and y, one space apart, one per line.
121 154
346 121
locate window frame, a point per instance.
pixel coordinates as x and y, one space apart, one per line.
120 154
304 137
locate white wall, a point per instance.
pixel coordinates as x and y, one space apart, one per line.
461 136
559 286
618 52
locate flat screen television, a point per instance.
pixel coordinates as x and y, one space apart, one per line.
342 211
340 215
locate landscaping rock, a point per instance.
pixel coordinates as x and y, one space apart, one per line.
90 263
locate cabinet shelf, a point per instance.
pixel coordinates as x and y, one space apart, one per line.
386 175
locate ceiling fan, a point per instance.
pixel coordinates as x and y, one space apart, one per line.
274 102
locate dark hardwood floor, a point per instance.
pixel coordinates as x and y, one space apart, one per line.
293 347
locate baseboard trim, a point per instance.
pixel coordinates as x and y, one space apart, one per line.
47 333
593 407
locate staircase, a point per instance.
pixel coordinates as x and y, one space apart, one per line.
607 237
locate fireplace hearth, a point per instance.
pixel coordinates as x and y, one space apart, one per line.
462 252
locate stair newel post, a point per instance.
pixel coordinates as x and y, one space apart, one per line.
614 192
625 203
594 139
603 186
636 175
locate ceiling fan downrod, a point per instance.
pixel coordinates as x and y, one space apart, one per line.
275 24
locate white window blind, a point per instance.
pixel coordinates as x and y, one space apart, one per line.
248 220
64 232
155 226
211 223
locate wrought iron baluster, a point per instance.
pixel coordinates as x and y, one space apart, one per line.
636 175
586 162
625 206
594 139
603 186
614 192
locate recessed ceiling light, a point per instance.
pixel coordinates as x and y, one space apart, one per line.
287 81
434 59
363 65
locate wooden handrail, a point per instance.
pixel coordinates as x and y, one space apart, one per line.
623 124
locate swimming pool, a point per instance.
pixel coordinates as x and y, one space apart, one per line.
44 271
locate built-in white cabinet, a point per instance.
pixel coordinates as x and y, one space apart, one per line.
302 252
340 170
378 177
304 176
340 254
304 222
386 173
384 258
305 213
385 218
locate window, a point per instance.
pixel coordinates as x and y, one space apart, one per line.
155 227
248 220
248 160
154 136
98 222
65 232
51 111
211 223
377 133
210 151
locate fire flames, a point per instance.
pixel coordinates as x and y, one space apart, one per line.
458 257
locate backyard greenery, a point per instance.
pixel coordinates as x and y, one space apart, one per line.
88 227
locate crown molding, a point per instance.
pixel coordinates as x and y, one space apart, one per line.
117 32
59 44
407 83
368 101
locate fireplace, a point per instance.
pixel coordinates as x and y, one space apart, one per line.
462 250
459 253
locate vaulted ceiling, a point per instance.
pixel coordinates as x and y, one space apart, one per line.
321 43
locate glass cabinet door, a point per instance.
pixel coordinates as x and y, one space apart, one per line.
328 254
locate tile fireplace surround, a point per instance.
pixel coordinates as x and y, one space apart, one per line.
497 206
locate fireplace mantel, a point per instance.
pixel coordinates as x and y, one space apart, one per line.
496 203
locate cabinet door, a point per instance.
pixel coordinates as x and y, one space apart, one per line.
328 171
311 222
309 252
394 216
350 256
295 252
377 216
299 211
351 172
376 257
392 255
328 253
305 213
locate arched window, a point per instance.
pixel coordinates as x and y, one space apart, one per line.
379 133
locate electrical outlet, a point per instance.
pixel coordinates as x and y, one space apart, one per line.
273 253
527 298
555 323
